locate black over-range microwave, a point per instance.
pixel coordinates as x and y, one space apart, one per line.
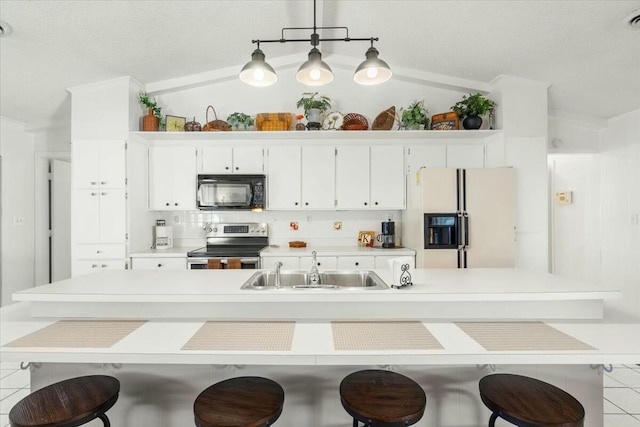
231 192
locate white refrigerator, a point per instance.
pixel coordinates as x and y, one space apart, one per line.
461 218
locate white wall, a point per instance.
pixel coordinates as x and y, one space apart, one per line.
620 194
17 237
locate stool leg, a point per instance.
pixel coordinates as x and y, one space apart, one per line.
355 423
105 420
492 420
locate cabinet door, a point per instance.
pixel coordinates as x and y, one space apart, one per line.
324 262
465 156
288 262
112 164
217 160
283 177
113 224
155 263
387 177
352 177
160 178
84 164
184 178
91 266
86 221
425 156
318 177
356 262
248 160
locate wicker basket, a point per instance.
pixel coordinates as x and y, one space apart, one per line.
274 121
354 121
214 125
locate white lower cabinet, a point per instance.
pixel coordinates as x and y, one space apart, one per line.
324 262
87 266
90 258
159 263
356 263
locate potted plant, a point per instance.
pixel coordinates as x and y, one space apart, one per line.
415 116
153 120
313 106
471 108
240 121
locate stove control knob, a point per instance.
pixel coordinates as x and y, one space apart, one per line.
215 230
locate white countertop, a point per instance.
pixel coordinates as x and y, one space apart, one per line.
435 294
178 252
335 251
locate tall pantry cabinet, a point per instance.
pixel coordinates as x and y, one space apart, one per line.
102 115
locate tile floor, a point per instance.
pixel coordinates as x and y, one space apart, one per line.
621 393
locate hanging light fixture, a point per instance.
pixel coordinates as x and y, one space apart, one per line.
315 72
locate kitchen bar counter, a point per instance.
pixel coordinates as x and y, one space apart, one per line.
335 251
436 294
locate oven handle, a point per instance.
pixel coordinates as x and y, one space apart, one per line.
222 260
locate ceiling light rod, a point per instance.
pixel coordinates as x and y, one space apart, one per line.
315 72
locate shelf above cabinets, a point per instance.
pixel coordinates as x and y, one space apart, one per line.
367 136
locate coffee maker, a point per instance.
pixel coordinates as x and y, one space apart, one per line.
163 235
388 236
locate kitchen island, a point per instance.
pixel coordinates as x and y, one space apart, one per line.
162 366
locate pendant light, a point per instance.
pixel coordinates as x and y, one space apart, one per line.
315 72
372 70
257 72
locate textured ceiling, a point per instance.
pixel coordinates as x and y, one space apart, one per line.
583 49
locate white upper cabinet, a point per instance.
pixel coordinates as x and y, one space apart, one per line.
284 168
172 178
370 177
352 177
318 177
425 156
245 160
99 163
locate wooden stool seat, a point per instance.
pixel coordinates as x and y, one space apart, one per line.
380 398
528 402
239 402
68 403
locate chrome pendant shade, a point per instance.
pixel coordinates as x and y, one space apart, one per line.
315 72
257 72
373 70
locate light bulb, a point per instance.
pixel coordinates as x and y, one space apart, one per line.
314 74
258 74
372 72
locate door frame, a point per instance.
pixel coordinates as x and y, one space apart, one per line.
41 207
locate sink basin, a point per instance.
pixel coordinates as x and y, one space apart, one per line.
339 279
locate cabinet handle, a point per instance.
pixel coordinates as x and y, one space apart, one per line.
159 265
306 203
103 265
226 167
94 265
103 193
357 263
365 203
103 182
93 183
237 168
176 204
94 194
296 203
376 203
167 204
98 252
319 264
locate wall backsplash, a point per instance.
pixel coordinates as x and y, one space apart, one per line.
317 228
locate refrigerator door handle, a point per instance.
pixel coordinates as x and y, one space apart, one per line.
459 229
466 230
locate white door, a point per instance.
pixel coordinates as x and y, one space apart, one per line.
248 160
387 177
352 177
86 225
60 220
217 160
112 164
160 178
113 223
318 177
85 164
184 178
283 177
491 206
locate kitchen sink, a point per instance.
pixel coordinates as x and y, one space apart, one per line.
339 279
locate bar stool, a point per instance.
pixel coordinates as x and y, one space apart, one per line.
68 403
380 398
528 402
239 402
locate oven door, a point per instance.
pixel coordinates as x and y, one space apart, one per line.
249 263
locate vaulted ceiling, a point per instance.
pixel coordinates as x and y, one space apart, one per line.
585 50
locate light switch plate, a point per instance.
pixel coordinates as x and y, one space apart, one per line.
564 197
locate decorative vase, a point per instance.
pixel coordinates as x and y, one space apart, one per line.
313 118
150 122
472 122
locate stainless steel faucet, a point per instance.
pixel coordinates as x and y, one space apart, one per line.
278 266
314 274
